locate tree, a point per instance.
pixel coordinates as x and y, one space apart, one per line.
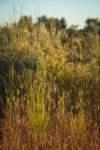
43 19
26 22
73 31
63 24
59 24
92 26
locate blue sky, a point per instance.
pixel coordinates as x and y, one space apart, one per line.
75 11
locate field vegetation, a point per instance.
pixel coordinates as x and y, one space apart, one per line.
49 85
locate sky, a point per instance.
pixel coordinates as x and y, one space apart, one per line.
75 11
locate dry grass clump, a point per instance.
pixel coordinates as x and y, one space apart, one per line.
51 104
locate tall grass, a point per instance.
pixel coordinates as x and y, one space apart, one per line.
51 104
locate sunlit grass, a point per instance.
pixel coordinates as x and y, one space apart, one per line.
51 104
